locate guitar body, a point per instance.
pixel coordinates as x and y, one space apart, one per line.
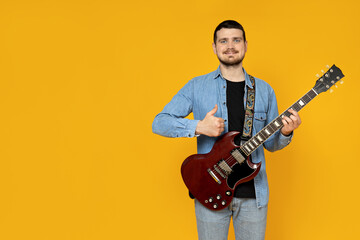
207 178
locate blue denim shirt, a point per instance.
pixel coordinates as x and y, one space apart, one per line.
199 96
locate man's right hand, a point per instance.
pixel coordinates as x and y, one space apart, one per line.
210 126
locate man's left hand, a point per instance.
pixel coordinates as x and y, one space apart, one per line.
290 123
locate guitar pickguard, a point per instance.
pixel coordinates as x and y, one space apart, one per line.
241 173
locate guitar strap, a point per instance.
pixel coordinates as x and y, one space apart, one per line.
249 112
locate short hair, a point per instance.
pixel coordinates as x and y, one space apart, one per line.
229 24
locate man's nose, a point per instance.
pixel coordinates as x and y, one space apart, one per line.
230 44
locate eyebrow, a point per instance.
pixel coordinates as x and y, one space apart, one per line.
231 38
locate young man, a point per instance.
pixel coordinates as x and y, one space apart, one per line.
217 101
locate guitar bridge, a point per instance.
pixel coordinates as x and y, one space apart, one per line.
219 171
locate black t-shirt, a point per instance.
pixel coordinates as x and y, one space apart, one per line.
236 115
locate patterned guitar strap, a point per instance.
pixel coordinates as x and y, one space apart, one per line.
249 112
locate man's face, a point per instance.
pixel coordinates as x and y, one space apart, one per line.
230 46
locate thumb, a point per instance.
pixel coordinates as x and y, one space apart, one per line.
213 111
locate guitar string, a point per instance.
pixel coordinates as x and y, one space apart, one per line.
227 161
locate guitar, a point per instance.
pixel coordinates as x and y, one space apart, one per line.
211 178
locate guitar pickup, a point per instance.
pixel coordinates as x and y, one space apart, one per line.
238 156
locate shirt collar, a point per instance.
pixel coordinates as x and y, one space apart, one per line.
247 78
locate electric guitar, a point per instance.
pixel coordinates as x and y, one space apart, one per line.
211 178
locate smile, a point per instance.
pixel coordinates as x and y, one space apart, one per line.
230 53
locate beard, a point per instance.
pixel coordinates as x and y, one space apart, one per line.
232 62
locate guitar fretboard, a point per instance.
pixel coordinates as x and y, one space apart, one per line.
258 139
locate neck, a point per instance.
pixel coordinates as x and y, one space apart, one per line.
233 73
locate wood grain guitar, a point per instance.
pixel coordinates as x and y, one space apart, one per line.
212 177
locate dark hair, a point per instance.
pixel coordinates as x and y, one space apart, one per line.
229 24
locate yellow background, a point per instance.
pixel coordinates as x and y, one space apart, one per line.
81 81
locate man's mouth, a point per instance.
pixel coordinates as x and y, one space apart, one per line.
231 52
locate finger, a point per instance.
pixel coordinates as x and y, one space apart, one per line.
293 118
222 129
286 120
294 113
213 111
298 119
285 123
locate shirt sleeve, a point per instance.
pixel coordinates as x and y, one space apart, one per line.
278 140
172 121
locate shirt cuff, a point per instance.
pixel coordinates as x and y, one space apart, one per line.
192 128
286 139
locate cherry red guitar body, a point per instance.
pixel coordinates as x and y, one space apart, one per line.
211 178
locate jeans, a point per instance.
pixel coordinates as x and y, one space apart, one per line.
249 221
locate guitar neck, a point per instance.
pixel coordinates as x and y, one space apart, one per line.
257 140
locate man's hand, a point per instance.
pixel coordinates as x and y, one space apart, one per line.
211 126
290 123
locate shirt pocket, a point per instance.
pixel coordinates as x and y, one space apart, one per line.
259 120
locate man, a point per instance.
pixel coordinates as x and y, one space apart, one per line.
217 102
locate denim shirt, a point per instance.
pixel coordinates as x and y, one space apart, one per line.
199 96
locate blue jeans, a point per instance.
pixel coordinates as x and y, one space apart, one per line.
249 221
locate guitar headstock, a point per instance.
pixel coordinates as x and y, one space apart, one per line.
326 81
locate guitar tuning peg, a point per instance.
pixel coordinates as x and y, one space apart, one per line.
322 71
341 82
331 90
335 85
327 66
317 75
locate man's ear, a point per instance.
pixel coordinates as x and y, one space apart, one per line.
214 47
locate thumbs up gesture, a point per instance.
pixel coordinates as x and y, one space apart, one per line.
210 126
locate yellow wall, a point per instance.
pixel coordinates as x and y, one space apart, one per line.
81 81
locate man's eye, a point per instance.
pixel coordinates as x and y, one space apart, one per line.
237 40
222 41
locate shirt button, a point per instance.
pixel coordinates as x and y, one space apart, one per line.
224 103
